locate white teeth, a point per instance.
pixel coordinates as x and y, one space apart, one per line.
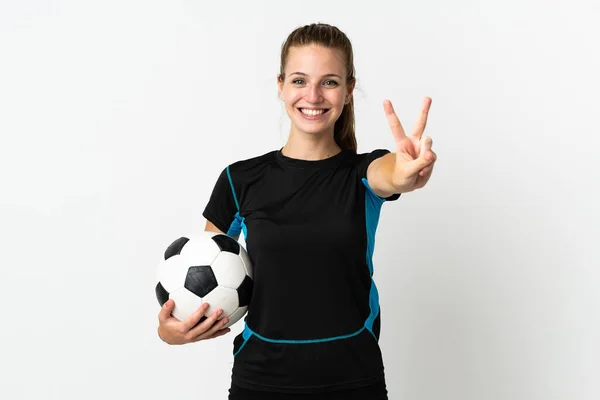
312 112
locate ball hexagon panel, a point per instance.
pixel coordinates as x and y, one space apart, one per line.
200 252
172 273
226 299
237 314
228 270
245 291
186 303
200 280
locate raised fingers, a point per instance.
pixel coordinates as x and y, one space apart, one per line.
393 121
422 120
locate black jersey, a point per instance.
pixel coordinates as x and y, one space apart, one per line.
313 320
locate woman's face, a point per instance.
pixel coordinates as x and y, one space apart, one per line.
314 89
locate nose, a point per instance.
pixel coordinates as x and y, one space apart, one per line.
314 95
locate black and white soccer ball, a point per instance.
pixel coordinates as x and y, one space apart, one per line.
208 268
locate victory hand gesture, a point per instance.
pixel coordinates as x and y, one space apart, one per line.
414 157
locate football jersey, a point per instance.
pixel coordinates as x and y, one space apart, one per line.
313 320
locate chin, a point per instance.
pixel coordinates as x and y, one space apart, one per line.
313 130
312 127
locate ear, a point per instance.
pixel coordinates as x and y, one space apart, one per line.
350 90
279 87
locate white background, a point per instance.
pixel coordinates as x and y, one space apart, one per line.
116 118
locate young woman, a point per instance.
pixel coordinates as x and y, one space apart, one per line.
309 213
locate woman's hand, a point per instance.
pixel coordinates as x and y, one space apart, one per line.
414 157
173 331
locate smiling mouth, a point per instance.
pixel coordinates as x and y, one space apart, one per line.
313 112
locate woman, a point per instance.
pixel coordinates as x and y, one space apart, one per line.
309 212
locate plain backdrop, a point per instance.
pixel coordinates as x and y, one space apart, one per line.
116 118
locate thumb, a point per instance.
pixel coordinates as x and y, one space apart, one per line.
425 158
412 168
165 311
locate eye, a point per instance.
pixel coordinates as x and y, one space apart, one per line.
330 82
298 81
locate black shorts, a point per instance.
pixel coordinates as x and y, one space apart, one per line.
376 391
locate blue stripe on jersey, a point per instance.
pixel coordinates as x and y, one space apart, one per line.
234 229
237 224
244 229
237 205
373 205
329 339
246 334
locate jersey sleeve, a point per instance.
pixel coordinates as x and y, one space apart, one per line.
222 207
364 165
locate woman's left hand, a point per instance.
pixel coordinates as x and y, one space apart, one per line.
414 157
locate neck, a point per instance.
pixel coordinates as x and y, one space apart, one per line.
310 151
310 147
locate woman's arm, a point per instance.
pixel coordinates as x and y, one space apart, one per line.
210 227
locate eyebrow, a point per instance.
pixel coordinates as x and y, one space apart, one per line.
324 76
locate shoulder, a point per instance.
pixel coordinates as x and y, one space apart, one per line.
361 161
253 162
246 171
372 155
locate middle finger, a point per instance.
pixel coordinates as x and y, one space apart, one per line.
422 121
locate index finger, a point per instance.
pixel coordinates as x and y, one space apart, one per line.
393 121
196 317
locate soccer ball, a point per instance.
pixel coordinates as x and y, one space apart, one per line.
208 268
